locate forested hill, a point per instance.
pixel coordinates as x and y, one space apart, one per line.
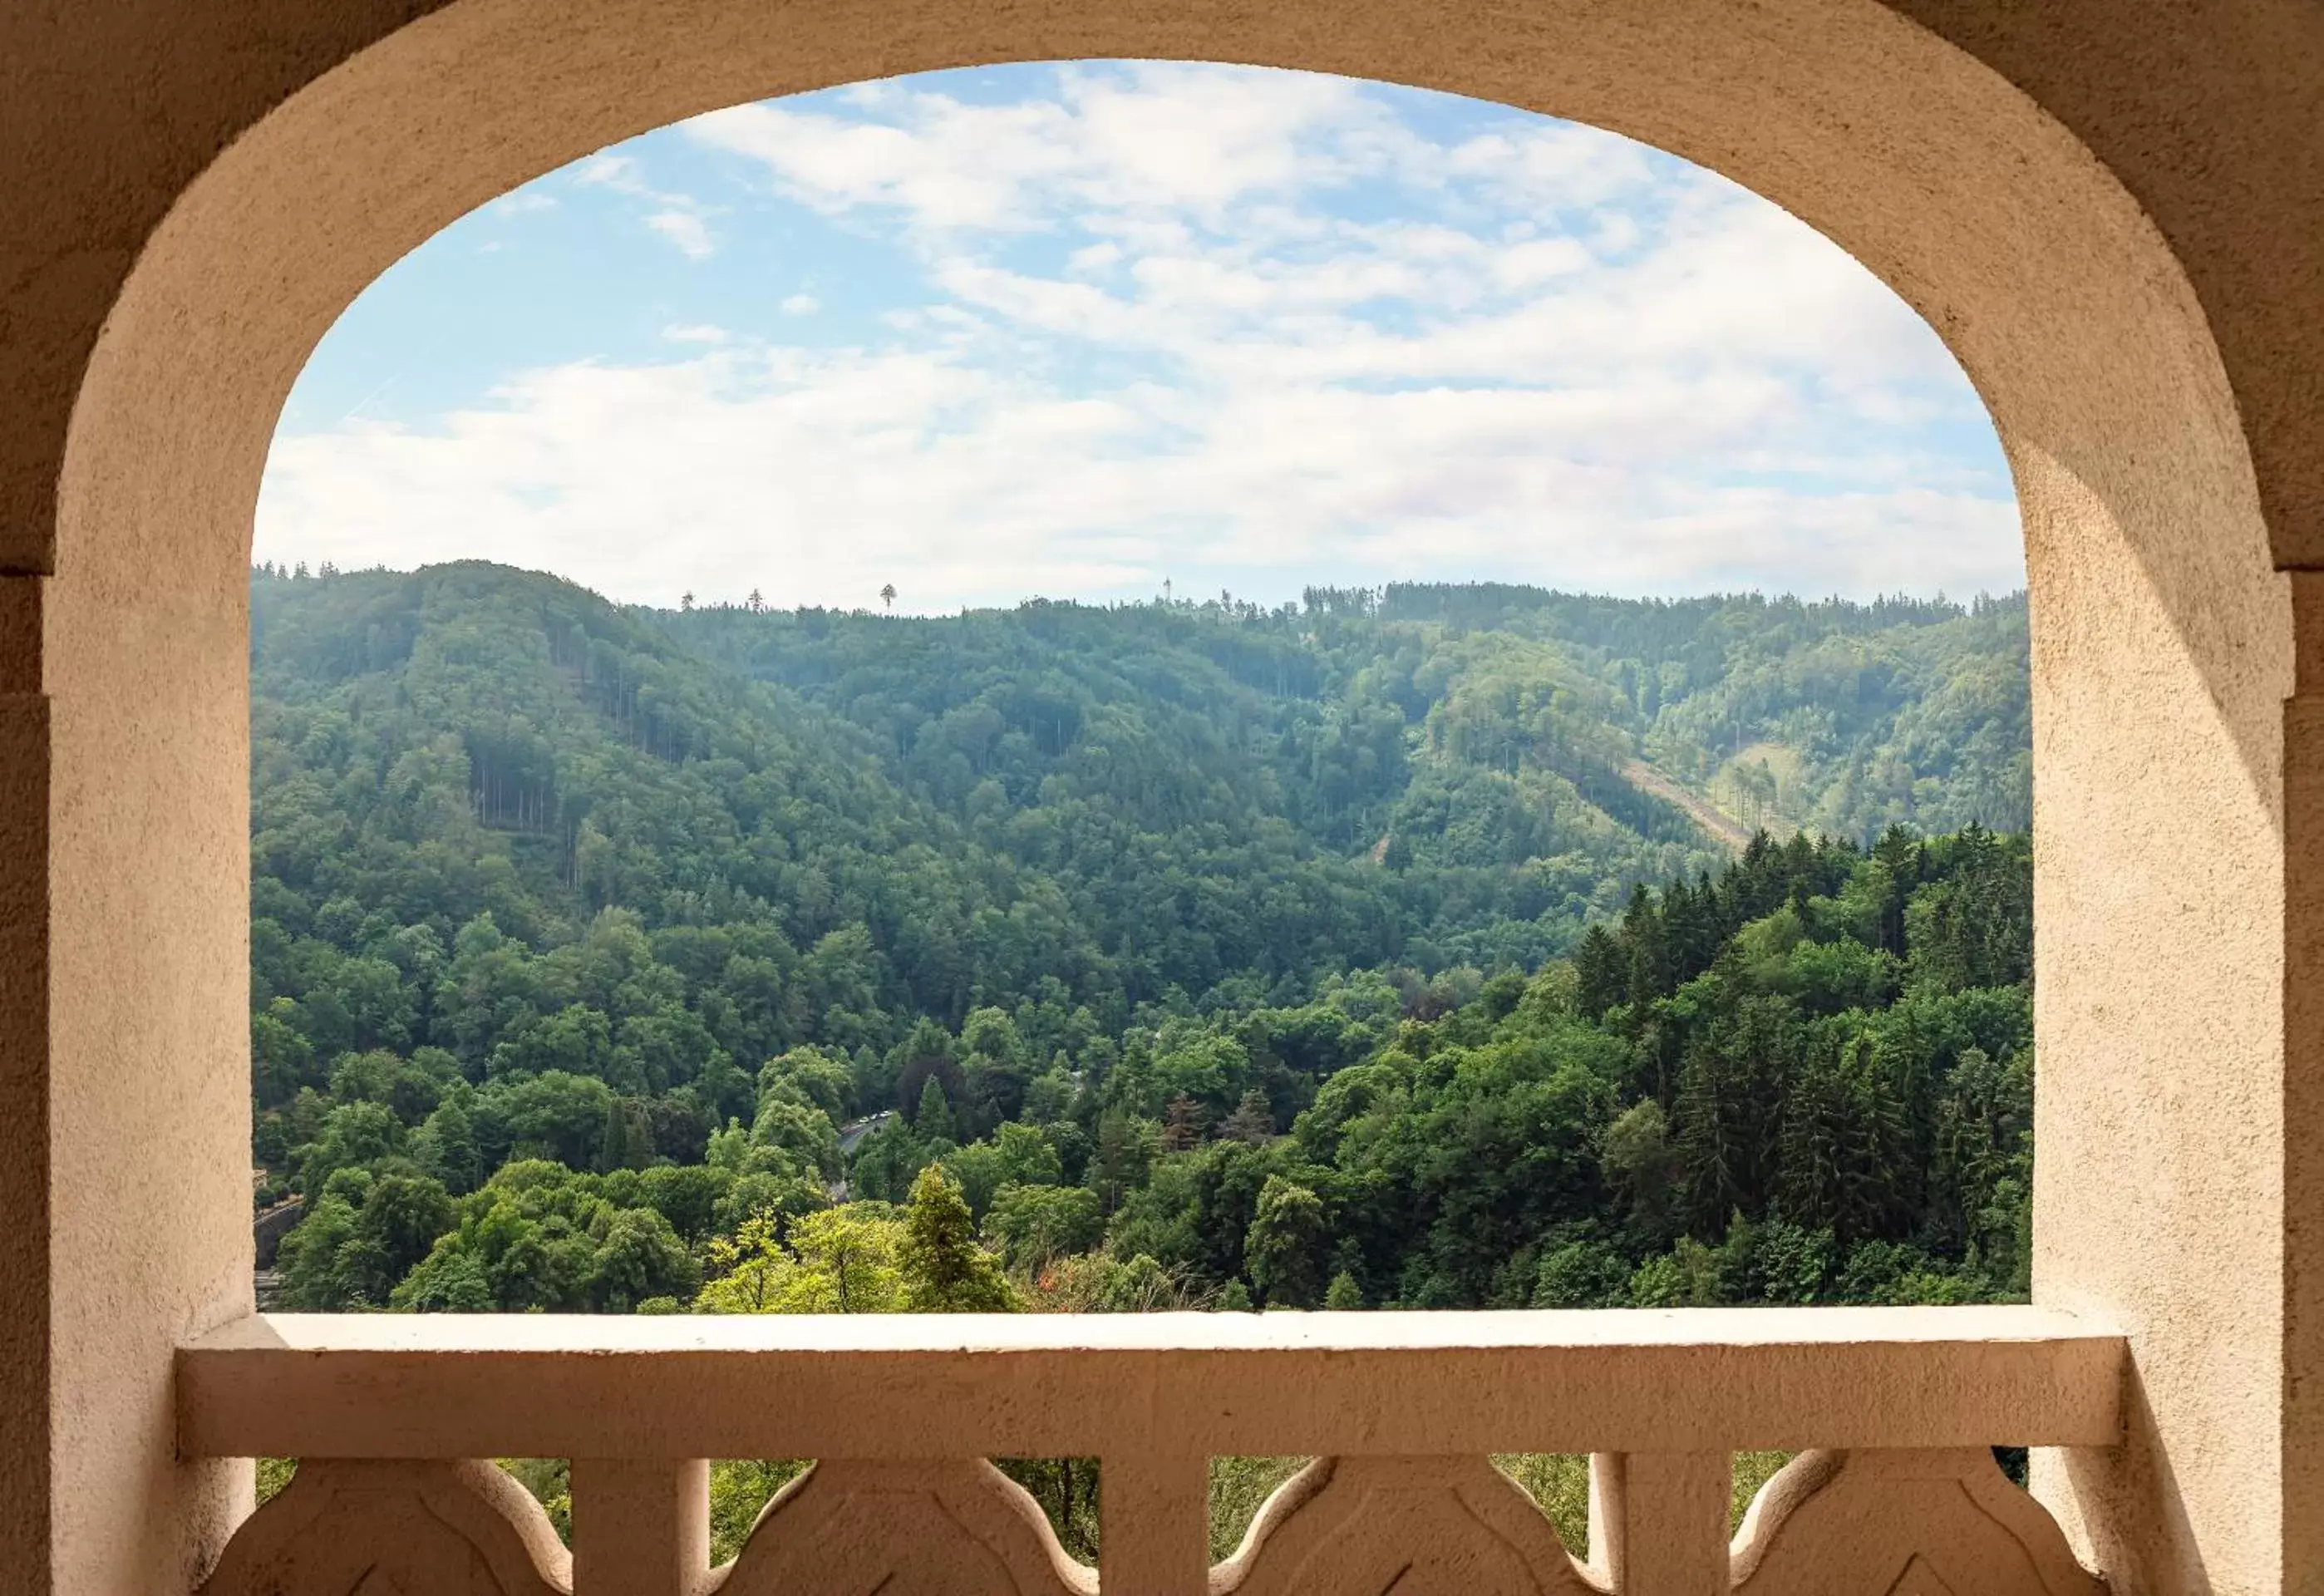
1112 805
612 861
1476 726
1363 954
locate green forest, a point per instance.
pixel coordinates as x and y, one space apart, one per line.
1426 946
1215 952
1430 946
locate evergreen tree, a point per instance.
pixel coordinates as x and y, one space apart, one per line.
1600 972
934 1121
1182 1124
1253 1121
944 1270
1283 1248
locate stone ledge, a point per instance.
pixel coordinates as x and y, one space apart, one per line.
1168 1384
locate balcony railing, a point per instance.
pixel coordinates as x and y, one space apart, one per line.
1895 1494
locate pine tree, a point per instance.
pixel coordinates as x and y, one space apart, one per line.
1649 974
1345 1293
1253 1120
1182 1124
1601 974
933 1119
621 1145
946 1271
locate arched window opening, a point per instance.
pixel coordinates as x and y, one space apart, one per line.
1128 686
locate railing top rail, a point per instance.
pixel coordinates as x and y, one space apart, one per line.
1037 1385
873 1334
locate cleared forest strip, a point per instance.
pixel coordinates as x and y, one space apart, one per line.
1718 822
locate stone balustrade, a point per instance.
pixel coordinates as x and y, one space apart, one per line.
1894 1493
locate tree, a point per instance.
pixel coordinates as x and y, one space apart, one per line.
445 1147
1126 1148
887 594
1582 1274
841 1260
847 1262
1601 974
447 1281
814 1076
530 872
1345 1293
1636 1152
933 1120
750 1269
401 1218
1283 1248
1037 1224
1253 1121
354 1135
627 1141
640 1258
801 1131
944 1270
979 1169
308 1257
756 604
1182 1124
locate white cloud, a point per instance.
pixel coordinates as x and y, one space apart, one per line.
614 171
1154 136
684 228
817 478
678 216
1171 320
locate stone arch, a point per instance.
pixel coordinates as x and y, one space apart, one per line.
2163 636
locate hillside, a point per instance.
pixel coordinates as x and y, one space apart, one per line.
456 771
1363 716
1095 897
1107 959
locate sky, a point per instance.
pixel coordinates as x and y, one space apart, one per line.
1085 330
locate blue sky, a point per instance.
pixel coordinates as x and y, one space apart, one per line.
1078 330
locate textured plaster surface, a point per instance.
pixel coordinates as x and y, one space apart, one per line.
446 1527
2113 211
1912 1523
1175 1385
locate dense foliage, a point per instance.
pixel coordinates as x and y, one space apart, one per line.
634 961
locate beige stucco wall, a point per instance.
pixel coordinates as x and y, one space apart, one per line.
2112 209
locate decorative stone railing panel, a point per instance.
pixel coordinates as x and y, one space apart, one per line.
1416 1526
1902 1522
428 1528
1403 1409
850 1528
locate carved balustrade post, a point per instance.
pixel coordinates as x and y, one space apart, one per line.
1154 1526
640 1528
1658 1521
